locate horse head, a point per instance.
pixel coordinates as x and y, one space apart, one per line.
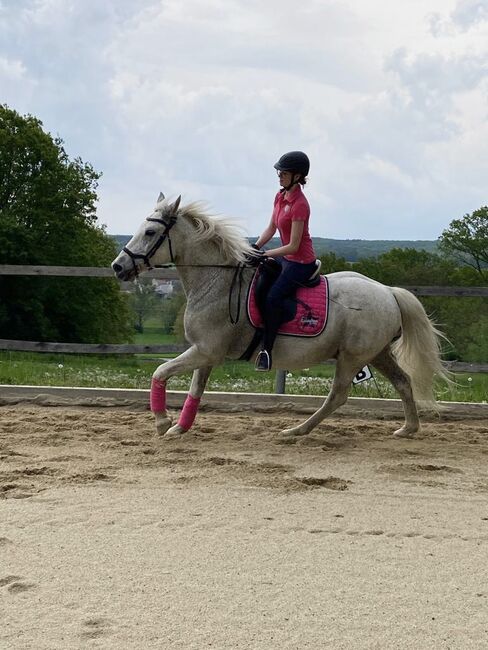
151 245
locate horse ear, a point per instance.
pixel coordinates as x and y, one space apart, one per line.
176 205
160 197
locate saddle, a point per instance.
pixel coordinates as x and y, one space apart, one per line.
304 315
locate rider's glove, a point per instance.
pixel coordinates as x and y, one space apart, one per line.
256 257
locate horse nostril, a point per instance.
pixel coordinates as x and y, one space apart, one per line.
116 268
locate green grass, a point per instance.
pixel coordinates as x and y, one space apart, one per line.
153 336
135 371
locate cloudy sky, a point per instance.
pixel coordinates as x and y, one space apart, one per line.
200 97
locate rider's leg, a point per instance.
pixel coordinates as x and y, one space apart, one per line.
291 276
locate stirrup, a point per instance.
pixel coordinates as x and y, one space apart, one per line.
263 361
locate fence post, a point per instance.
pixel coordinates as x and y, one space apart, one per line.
280 382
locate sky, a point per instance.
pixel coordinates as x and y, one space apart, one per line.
200 98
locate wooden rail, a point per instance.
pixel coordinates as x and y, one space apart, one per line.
90 348
171 274
80 271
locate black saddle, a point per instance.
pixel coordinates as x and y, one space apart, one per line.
269 271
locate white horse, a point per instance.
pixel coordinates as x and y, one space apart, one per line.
368 323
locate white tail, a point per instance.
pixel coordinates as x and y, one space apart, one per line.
418 350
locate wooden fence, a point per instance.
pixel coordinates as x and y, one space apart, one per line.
171 274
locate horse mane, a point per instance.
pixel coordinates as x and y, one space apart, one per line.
224 232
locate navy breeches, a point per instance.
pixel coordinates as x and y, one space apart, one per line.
292 275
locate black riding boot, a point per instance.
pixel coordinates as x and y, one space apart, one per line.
272 322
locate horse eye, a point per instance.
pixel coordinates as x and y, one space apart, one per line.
150 233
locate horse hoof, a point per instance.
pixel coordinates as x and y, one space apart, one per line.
174 432
405 432
163 423
292 433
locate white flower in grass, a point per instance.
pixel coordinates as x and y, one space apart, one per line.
288 375
470 379
60 365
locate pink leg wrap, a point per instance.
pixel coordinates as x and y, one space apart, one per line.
189 412
158 396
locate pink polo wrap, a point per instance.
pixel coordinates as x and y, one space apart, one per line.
158 396
189 412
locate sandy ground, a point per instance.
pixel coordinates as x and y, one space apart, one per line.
230 538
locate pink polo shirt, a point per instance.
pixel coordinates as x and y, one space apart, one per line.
285 211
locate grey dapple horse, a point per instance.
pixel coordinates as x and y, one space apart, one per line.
368 323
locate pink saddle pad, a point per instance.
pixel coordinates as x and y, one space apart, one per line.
312 309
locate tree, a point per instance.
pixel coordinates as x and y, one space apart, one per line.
48 217
332 262
143 301
466 240
407 266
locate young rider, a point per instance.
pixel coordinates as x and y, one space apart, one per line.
296 255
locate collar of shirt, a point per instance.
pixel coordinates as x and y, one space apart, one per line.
295 195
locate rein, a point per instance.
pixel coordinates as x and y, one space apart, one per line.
237 278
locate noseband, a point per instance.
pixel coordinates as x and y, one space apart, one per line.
147 256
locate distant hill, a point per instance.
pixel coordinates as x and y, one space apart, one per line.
351 249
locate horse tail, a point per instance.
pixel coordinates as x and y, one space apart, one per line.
418 350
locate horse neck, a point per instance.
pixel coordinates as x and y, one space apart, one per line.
202 269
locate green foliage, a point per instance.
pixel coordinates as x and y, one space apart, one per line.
172 315
47 217
332 263
143 301
466 240
407 267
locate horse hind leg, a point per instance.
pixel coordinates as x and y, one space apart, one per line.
346 370
386 363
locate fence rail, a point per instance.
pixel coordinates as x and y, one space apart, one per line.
171 274
168 348
80 271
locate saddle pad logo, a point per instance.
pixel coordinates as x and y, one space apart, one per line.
311 314
309 321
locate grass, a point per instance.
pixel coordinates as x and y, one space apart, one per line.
135 371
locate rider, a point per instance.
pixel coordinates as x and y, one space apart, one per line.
296 255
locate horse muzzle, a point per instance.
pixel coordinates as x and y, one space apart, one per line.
124 273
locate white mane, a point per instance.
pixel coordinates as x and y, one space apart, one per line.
223 232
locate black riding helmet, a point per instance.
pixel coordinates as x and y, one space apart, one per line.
294 161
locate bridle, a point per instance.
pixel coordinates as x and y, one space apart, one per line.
145 257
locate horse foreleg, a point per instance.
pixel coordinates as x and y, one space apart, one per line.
346 370
386 363
192 402
191 359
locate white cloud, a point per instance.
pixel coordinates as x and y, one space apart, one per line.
470 12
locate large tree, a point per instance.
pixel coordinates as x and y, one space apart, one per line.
466 240
48 217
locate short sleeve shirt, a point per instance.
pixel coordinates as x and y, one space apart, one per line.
285 211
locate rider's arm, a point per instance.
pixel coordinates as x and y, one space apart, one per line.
267 234
294 244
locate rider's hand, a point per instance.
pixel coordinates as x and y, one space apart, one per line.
256 257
